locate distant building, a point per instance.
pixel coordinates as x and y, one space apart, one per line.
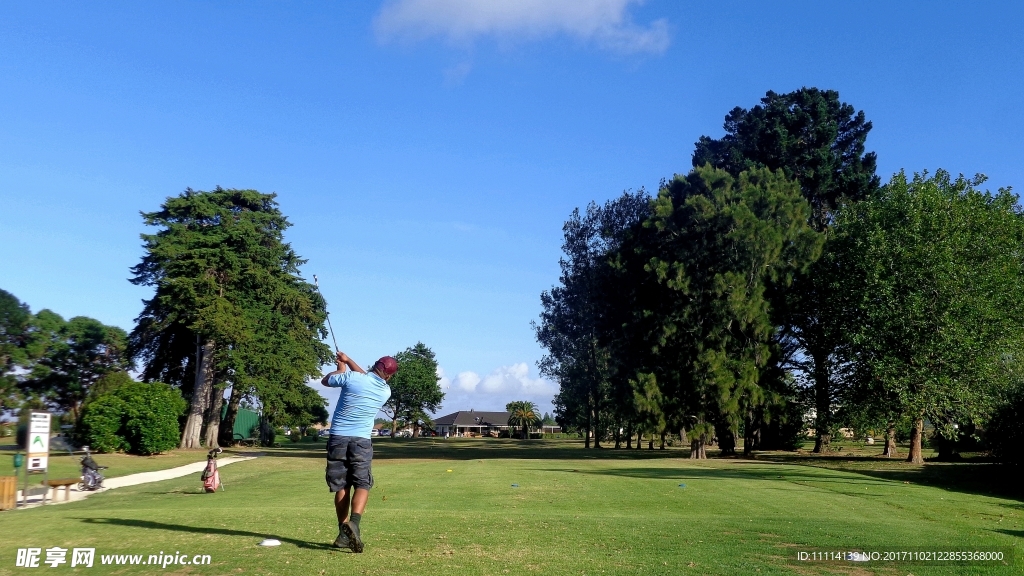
471 422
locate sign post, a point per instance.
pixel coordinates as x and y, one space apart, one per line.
38 449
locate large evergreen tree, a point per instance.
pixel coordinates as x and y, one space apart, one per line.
818 141
230 308
719 244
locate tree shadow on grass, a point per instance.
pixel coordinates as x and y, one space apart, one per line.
740 473
976 479
131 523
484 449
981 478
1017 533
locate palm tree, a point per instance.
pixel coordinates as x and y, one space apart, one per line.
523 414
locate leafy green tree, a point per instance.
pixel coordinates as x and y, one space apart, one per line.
15 319
229 310
936 270
72 357
415 391
571 325
719 245
819 142
522 414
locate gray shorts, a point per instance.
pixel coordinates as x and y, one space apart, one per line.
348 462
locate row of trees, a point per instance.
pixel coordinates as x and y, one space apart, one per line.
779 279
47 362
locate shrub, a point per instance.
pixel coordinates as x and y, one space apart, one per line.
1005 433
134 417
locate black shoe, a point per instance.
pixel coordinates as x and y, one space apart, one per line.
342 541
355 543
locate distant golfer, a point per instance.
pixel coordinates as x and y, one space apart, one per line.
349 451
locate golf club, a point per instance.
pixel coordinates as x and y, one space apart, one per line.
317 284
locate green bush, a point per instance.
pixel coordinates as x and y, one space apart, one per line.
133 417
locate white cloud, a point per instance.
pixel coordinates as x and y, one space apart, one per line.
491 392
605 23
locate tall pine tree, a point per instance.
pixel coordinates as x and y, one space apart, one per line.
229 308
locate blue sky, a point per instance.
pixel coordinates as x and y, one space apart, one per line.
427 152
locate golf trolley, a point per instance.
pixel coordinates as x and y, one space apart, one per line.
92 479
211 477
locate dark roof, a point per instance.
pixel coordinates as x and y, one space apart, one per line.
473 418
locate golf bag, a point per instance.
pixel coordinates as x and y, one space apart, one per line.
211 477
91 477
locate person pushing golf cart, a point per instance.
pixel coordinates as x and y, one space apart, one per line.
349 451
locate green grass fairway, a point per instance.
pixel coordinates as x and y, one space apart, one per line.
574 512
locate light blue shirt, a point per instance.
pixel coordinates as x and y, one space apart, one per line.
362 396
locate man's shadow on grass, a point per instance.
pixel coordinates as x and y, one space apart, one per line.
204 530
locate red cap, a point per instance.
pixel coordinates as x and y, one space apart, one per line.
387 365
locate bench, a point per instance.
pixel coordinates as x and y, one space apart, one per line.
65 483
242 441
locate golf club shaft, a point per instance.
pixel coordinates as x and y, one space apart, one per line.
316 283
331 328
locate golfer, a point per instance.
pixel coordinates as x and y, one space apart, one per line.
349 451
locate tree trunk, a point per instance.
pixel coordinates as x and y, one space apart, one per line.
890 443
662 447
227 427
618 438
265 430
749 435
629 438
650 442
697 448
727 443
394 426
200 397
597 428
822 403
915 456
639 440
213 417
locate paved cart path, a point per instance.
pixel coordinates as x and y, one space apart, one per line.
57 496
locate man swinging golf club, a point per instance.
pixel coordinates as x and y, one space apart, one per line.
349 451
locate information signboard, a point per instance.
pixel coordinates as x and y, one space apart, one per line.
38 442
